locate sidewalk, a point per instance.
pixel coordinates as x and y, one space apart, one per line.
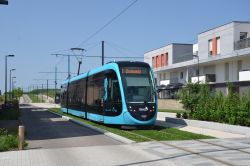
198 130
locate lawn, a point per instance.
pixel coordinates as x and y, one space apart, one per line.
172 111
34 98
142 134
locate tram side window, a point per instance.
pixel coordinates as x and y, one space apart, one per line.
115 91
95 93
77 95
63 95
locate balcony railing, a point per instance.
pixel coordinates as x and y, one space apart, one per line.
244 43
207 78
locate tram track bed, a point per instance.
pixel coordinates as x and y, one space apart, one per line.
140 134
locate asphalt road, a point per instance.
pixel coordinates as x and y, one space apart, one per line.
46 130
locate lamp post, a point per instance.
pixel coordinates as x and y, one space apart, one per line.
10 97
196 56
6 69
13 87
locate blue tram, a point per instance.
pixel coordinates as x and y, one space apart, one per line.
121 93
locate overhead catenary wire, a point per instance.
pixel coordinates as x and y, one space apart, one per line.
108 23
119 49
122 48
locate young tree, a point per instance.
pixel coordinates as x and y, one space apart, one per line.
17 92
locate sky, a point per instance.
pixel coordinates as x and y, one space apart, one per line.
32 30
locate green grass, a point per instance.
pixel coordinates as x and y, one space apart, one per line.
9 140
34 98
9 114
1 100
142 134
172 111
51 92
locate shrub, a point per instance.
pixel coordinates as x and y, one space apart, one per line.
178 115
8 142
3 131
184 115
204 105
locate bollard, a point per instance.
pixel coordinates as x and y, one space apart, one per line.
20 137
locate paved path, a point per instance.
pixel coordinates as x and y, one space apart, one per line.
25 99
189 153
198 130
71 146
46 130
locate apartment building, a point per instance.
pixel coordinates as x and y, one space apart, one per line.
221 55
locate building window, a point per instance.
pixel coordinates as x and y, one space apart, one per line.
214 46
162 60
166 59
197 72
157 60
181 75
210 47
226 71
243 35
153 62
218 45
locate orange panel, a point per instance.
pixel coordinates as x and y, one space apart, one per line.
155 65
159 63
214 49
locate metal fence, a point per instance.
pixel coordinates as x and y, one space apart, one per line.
244 43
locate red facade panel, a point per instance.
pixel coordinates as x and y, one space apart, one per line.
155 59
159 63
214 47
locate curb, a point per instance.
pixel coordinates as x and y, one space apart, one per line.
211 125
107 133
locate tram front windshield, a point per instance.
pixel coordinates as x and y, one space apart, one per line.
137 84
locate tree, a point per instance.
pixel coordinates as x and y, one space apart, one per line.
17 92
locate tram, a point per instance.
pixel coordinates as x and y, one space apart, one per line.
121 93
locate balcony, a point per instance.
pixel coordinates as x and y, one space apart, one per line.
208 78
241 44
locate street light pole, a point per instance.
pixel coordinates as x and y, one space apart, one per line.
10 97
55 81
12 87
47 89
6 69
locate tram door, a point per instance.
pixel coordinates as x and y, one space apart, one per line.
112 97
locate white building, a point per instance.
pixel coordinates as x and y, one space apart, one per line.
223 54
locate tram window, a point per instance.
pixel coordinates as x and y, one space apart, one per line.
115 91
114 94
95 92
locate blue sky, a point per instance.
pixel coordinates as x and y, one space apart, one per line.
33 30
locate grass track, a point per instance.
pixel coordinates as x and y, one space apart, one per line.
142 134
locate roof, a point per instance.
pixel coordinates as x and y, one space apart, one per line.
248 22
168 45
